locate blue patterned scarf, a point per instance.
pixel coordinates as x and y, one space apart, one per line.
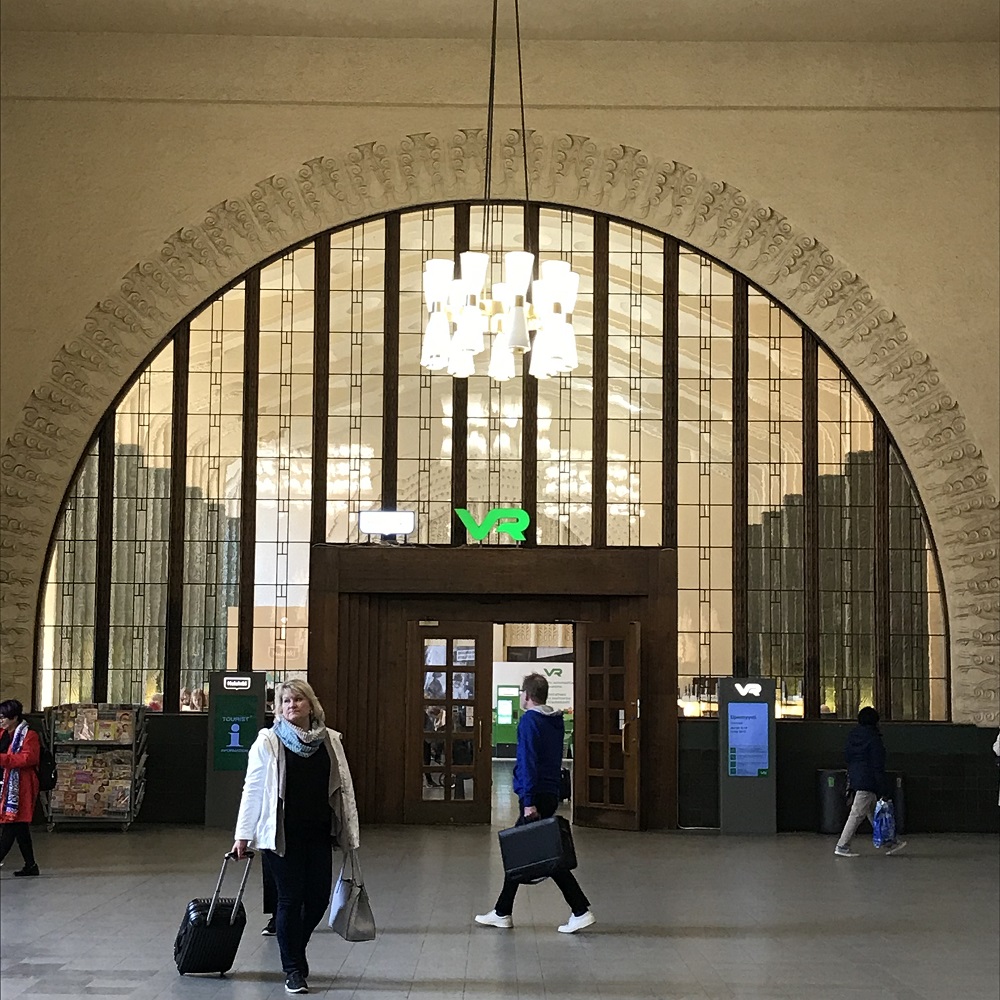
304 742
12 796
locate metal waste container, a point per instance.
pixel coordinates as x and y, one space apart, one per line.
835 803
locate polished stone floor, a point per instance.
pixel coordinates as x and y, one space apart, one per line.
679 916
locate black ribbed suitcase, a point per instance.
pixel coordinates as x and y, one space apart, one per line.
533 851
210 932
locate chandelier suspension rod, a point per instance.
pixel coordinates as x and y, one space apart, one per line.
491 111
524 131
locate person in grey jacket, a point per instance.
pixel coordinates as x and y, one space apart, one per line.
298 801
865 753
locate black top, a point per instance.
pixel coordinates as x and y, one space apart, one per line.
307 793
865 755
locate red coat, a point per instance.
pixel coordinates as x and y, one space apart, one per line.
27 760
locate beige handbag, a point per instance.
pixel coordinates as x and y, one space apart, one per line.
350 911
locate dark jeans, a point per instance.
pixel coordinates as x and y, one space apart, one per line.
21 832
568 885
269 889
304 877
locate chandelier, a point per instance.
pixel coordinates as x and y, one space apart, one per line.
469 312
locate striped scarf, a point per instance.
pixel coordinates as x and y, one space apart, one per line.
304 742
12 793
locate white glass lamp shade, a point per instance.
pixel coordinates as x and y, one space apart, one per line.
503 294
474 268
501 359
567 347
541 355
438 275
516 325
462 364
517 266
456 296
471 327
570 292
437 342
541 299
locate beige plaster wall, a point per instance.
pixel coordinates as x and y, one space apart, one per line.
886 153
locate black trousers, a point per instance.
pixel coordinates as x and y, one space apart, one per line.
304 878
568 885
21 832
268 889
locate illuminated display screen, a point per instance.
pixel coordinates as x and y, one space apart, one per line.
748 749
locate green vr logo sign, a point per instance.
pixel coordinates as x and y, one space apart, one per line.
515 521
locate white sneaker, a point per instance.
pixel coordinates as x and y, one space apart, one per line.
575 924
844 852
897 846
493 919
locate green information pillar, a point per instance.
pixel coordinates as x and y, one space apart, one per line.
235 716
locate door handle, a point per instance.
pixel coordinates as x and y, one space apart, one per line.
480 740
625 751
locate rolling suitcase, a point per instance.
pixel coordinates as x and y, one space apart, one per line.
210 932
534 851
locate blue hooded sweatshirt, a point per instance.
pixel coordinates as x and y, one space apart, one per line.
865 754
539 753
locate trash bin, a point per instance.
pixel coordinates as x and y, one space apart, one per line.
833 802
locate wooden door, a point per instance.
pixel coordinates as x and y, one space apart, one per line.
449 744
606 735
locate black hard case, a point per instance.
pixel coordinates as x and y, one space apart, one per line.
210 932
536 850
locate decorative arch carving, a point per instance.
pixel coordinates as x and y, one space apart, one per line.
371 178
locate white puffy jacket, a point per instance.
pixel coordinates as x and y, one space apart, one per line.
260 816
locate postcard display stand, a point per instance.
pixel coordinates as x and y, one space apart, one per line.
100 753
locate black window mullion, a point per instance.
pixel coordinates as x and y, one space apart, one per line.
105 542
741 458
883 680
178 502
811 540
321 388
248 485
599 516
671 285
390 365
459 405
529 405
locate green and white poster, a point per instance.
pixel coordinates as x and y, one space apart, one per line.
235 730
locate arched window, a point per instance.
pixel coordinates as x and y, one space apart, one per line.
702 417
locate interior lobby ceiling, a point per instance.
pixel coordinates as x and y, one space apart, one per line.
572 20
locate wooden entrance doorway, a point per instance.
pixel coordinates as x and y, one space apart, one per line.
367 664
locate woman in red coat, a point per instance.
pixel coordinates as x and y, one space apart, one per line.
19 752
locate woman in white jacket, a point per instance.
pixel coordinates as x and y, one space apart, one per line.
298 799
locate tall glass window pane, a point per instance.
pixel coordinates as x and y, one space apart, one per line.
635 387
565 411
494 408
916 622
704 482
357 322
212 502
141 531
846 544
66 668
284 466
775 532
425 399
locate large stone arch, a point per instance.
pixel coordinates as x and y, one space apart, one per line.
374 177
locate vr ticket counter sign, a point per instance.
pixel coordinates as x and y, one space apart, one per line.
747 785
236 715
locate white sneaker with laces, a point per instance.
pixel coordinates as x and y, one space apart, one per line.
844 852
575 924
493 919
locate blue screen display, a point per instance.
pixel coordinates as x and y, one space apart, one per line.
748 746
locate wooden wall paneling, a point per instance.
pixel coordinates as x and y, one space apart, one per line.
324 628
393 699
178 504
741 457
321 387
103 564
248 482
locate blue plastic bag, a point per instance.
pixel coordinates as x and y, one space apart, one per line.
884 824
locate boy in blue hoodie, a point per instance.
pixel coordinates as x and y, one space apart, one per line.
865 753
540 732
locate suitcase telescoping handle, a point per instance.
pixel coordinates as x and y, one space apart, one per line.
231 856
